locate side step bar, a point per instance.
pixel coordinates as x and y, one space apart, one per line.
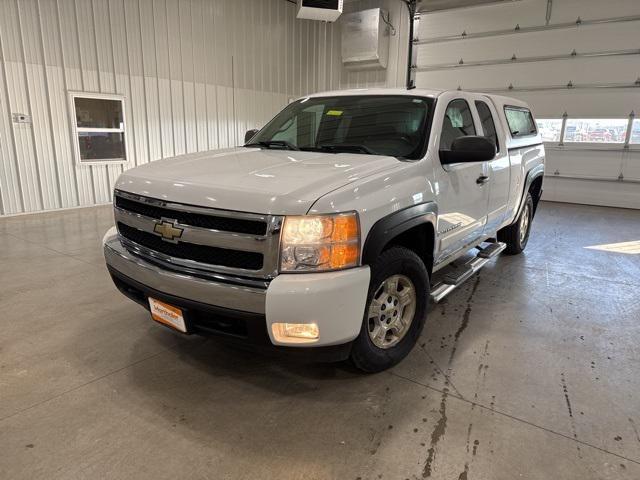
457 276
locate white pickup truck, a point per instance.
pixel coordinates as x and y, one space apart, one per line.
332 228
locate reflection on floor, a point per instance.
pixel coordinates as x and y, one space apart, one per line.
530 370
630 248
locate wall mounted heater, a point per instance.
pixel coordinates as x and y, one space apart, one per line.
324 10
365 39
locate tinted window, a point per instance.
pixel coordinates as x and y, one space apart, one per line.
457 123
488 126
520 121
394 125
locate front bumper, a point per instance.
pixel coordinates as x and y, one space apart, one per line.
334 301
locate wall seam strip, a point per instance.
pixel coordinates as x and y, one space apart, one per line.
193 70
126 46
75 10
144 85
155 51
30 107
115 82
95 170
12 127
66 101
184 104
173 126
49 110
206 77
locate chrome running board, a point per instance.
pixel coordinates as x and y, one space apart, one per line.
456 276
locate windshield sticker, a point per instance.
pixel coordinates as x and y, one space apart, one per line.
334 113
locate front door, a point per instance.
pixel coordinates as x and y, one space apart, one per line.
462 188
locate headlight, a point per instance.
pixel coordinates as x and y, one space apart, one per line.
317 243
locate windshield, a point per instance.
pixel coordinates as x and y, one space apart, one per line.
394 125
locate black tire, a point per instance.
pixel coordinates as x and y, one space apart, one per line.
365 355
512 235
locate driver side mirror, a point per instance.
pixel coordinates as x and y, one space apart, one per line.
250 134
471 148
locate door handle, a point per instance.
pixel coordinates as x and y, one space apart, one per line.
482 179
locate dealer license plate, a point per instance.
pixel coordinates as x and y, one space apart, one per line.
167 314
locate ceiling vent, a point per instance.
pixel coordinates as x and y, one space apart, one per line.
323 10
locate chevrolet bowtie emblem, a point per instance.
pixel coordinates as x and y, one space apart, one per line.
168 230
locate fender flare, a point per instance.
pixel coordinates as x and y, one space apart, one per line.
389 227
535 172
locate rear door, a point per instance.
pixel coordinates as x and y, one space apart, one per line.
499 170
462 194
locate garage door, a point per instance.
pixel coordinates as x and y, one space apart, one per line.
576 62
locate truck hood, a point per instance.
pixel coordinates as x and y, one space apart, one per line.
274 182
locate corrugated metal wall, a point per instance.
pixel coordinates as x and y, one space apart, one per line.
172 60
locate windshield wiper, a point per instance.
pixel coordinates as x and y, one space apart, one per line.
273 143
336 148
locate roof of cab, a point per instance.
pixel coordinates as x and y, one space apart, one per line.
415 92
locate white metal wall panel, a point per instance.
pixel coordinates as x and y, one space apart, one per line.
172 62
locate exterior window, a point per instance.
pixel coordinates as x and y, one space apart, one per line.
550 129
457 123
99 128
520 121
488 125
595 130
635 132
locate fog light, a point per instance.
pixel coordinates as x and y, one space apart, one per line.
295 332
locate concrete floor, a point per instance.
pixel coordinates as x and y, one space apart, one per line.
528 371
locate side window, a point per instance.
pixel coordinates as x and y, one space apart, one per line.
520 121
488 125
457 123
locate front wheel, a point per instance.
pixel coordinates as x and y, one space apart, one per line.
516 235
395 311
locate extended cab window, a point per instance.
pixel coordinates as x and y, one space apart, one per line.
457 123
394 125
488 125
520 121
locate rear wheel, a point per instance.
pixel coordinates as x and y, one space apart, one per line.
395 311
516 235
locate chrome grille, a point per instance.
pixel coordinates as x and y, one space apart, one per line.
208 240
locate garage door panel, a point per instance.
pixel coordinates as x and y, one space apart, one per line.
554 42
493 17
631 165
525 13
579 70
576 161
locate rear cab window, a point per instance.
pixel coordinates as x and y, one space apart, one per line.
520 121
